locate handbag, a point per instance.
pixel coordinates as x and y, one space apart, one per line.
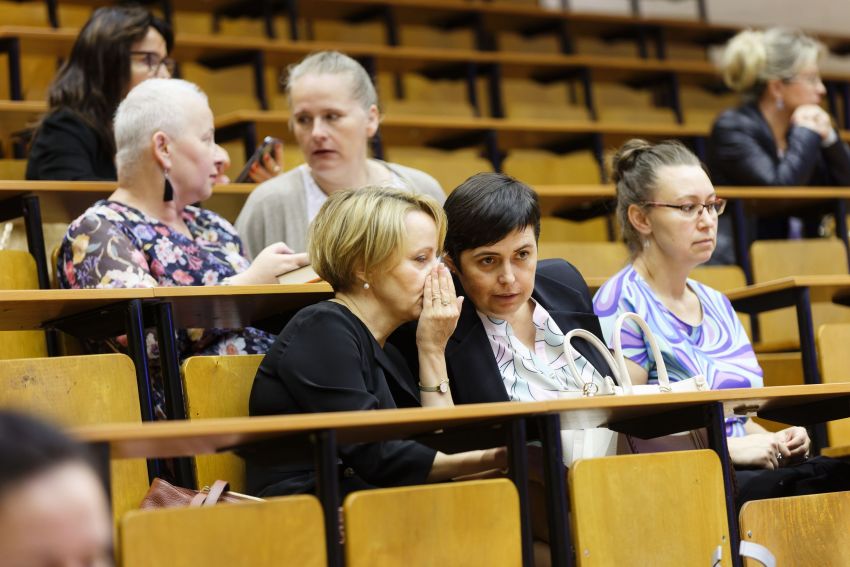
163 494
597 441
629 444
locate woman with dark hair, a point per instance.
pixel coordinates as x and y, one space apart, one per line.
508 344
118 48
53 510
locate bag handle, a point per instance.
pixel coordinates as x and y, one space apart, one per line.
595 342
663 379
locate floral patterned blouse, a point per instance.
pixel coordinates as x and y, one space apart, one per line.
114 245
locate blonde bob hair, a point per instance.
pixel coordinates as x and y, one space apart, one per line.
363 230
752 58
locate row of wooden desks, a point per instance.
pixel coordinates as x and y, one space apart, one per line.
478 426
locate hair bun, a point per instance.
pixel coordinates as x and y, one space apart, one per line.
744 60
624 159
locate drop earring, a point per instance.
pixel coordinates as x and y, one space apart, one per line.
780 104
168 193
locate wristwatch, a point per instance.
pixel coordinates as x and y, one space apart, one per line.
442 387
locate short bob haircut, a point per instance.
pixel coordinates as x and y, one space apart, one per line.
364 230
152 106
486 208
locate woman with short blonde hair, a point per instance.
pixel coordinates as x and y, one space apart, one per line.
380 250
780 135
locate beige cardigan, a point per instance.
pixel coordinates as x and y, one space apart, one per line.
277 209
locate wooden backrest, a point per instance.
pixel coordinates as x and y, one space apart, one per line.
82 390
774 259
17 271
658 509
454 524
280 531
803 531
834 356
593 259
219 386
721 278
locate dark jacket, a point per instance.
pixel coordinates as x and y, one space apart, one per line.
325 360
65 148
742 151
473 373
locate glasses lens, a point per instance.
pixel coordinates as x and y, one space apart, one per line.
169 65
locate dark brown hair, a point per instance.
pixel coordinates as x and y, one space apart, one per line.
96 76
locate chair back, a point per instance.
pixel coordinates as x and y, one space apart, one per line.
834 357
219 386
803 531
454 524
592 259
773 259
82 390
660 509
279 531
18 271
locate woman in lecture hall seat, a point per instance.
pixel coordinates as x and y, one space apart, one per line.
53 510
148 233
118 48
379 248
334 113
779 135
668 211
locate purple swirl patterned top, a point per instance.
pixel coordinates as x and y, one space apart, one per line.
718 348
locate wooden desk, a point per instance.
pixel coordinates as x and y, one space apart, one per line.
639 415
800 292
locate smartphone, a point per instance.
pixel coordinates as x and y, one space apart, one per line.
266 148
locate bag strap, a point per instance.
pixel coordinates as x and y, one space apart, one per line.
596 343
218 488
663 379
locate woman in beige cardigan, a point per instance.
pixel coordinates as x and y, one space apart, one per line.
334 110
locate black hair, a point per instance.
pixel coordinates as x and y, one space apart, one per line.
486 208
29 446
96 76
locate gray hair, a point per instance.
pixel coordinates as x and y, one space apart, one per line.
153 105
634 169
332 63
752 58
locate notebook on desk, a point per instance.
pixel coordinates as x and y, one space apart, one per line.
304 274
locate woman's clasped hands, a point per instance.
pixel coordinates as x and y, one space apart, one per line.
770 450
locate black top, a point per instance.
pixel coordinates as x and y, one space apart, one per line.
473 372
65 148
742 151
324 360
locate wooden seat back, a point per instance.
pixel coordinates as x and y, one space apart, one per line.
454 524
660 509
773 259
82 390
592 259
803 531
219 386
834 357
17 271
280 531
723 278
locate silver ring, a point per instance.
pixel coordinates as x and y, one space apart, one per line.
778 456
444 302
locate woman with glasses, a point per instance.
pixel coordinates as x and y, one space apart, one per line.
779 135
668 212
118 48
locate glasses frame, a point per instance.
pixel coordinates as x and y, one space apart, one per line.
717 206
149 58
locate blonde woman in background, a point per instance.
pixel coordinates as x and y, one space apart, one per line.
779 135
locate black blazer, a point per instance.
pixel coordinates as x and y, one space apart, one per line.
742 151
324 360
472 368
65 148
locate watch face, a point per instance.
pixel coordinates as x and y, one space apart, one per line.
443 386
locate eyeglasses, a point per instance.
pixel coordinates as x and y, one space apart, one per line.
694 210
154 62
812 80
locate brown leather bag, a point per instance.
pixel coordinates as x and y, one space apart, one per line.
163 494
